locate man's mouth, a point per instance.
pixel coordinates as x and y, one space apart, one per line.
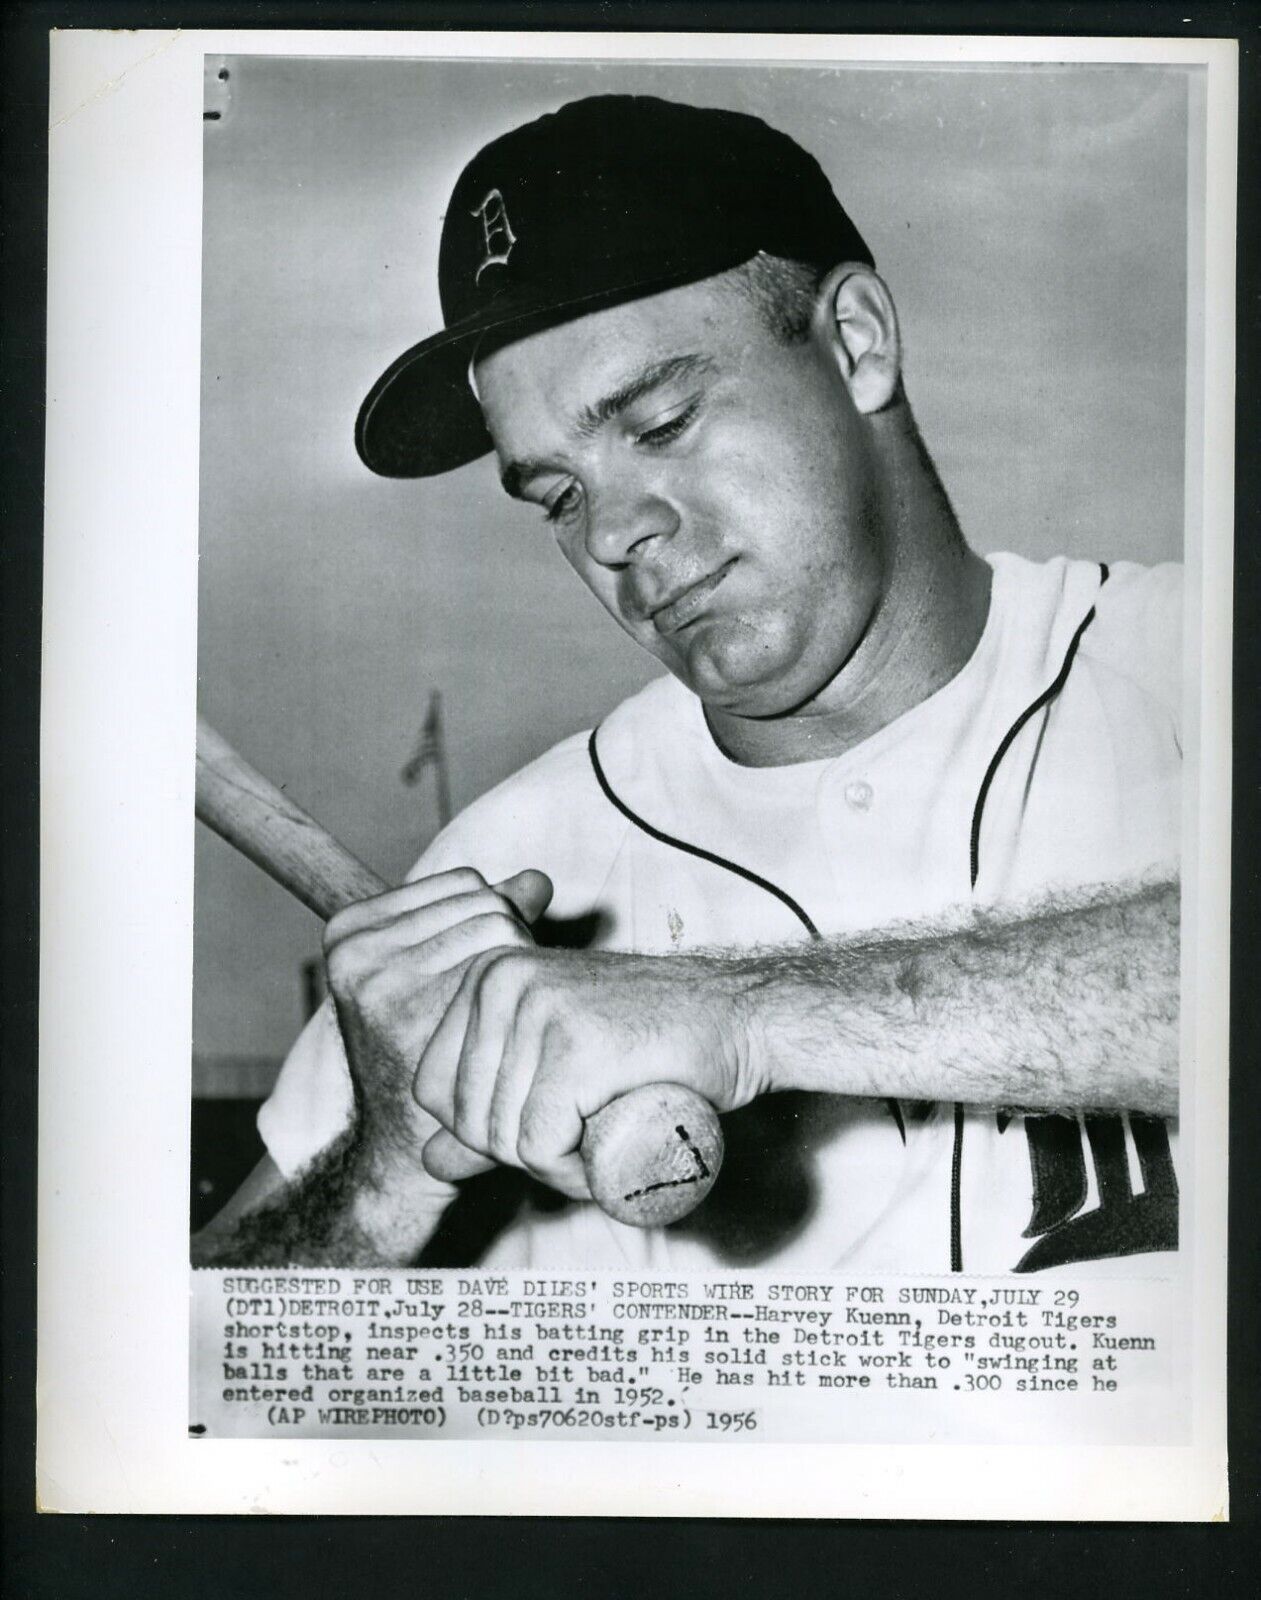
686 604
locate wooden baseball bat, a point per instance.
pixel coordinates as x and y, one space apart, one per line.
650 1156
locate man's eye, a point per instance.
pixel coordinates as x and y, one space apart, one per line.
666 432
562 505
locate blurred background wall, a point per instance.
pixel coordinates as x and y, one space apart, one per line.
1031 223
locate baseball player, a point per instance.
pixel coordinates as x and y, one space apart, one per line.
884 865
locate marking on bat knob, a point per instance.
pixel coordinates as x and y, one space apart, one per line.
676 1183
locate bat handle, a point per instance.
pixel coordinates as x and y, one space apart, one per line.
651 1156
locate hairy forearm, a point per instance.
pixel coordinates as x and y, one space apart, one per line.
1074 1005
1070 1005
340 1211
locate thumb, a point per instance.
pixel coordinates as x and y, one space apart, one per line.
529 891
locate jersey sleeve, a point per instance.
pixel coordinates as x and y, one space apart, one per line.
1138 631
311 1101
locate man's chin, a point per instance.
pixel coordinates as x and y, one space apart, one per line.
757 697
735 670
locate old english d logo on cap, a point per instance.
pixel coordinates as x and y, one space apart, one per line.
612 197
497 233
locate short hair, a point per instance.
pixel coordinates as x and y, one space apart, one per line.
782 292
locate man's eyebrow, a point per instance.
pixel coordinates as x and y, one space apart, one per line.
593 417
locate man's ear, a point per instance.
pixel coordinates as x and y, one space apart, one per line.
854 315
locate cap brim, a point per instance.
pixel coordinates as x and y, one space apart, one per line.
421 417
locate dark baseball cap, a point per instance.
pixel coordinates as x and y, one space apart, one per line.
605 200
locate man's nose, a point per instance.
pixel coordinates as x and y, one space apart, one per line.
624 521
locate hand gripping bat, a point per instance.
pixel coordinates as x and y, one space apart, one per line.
650 1156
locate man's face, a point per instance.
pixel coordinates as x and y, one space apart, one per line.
713 486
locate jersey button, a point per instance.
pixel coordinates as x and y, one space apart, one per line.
859 795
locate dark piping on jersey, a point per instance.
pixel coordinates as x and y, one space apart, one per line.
978 811
782 895
1048 694
693 849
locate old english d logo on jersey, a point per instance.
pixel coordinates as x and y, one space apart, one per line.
1123 1223
497 235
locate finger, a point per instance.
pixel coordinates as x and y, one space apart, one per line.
370 948
434 1080
546 1142
454 947
521 1058
446 1158
482 1055
387 907
563 1171
529 891
550 1135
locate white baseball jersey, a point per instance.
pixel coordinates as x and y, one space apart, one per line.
1051 761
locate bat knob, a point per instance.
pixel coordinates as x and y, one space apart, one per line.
652 1155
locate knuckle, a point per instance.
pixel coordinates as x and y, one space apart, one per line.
488 965
357 962
505 976
337 968
542 1008
518 962
475 974
373 986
